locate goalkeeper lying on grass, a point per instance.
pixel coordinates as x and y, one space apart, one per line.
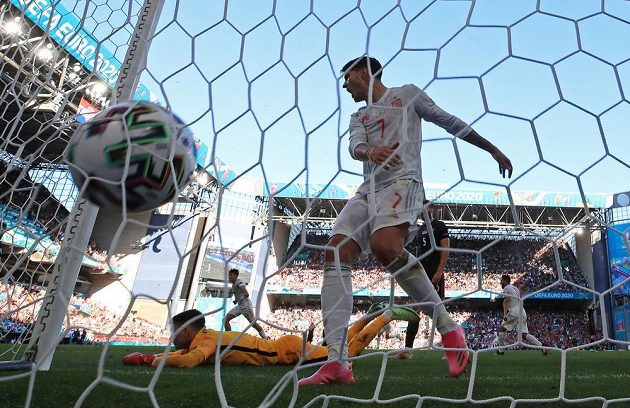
197 345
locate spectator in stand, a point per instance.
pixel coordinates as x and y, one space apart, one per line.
20 305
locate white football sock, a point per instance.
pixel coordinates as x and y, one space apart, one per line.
532 340
337 309
412 278
502 338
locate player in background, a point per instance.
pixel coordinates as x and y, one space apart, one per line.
386 136
197 345
243 304
434 264
514 316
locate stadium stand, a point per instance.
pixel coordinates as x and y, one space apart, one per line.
531 263
19 306
555 329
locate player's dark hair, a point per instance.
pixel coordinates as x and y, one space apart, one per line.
356 64
506 277
234 271
192 316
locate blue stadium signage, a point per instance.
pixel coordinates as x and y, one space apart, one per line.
66 29
273 289
562 295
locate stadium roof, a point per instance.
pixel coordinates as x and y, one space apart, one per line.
46 132
466 209
454 195
320 212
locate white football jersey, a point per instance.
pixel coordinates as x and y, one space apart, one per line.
238 294
396 117
511 294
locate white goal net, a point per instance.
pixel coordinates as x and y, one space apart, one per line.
260 84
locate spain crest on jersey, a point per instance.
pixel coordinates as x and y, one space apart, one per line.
397 102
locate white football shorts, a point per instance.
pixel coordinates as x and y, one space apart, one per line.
512 322
364 214
246 309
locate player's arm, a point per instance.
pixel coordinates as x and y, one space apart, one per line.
193 358
146 359
243 290
475 139
378 154
361 150
506 304
427 109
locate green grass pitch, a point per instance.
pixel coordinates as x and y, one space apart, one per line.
520 374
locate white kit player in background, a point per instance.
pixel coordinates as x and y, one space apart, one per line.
386 136
243 304
514 316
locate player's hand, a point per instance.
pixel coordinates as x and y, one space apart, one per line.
385 154
505 165
139 359
437 277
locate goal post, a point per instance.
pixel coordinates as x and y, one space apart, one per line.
48 327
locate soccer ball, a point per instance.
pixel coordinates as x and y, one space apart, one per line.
134 154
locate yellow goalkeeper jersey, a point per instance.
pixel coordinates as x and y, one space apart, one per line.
247 349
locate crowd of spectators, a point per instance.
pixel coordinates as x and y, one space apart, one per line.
299 277
20 305
553 329
531 263
48 245
556 329
43 209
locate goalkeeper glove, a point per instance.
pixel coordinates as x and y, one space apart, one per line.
139 359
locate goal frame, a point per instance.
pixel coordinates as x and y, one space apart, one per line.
47 330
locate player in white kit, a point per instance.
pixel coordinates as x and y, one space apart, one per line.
386 136
243 304
514 316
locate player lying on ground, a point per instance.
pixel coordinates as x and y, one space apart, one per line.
197 345
514 316
243 304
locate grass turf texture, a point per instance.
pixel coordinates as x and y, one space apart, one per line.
520 374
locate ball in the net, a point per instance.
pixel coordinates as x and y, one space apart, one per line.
135 154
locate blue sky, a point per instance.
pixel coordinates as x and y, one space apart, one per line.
264 89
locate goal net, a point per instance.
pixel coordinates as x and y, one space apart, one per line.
260 85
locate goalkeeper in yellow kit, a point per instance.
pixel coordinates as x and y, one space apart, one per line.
197 345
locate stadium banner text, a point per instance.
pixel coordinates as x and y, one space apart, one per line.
448 294
65 28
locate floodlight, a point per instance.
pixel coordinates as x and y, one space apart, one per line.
45 53
13 27
98 89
